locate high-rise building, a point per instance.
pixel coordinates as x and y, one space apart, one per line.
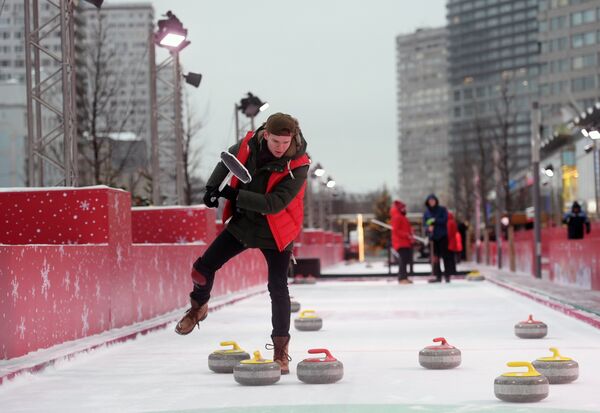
569 84
422 116
493 72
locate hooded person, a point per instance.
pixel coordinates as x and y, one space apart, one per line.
577 221
402 239
435 224
265 213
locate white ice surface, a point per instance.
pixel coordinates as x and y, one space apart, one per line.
376 328
366 268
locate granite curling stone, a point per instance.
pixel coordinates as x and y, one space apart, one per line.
475 276
557 369
320 370
224 360
531 328
257 371
440 357
521 387
308 321
294 306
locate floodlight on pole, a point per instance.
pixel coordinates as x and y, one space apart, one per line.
171 33
330 182
96 3
193 79
319 171
594 135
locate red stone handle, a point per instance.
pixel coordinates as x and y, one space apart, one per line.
441 340
328 356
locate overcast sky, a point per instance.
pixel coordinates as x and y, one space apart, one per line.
329 63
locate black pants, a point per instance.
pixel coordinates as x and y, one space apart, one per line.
224 248
404 259
440 252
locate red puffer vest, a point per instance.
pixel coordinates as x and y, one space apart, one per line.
286 224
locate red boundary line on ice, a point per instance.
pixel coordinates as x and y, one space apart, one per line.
130 336
563 308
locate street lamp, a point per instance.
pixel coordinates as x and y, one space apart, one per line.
250 106
172 36
549 171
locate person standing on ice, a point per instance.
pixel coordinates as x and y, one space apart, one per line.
435 222
453 250
576 221
402 239
266 213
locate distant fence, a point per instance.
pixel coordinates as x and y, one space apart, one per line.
564 261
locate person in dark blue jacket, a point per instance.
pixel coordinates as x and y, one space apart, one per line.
576 221
435 220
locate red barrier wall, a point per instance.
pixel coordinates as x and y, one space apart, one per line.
173 225
564 261
69 268
99 280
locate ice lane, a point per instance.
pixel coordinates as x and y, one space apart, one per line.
376 328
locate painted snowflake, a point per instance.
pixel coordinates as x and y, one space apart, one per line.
45 279
84 205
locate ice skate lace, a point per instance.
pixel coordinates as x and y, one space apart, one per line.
279 353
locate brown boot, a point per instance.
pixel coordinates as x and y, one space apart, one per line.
280 353
192 318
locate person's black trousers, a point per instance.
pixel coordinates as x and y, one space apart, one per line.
440 252
404 259
225 247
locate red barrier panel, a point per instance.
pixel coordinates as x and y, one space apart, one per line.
173 225
564 261
56 215
55 293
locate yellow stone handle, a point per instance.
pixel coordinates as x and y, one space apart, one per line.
231 343
257 356
555 353
531 371
305 312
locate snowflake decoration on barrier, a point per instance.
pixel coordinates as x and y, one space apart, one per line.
15 289
84 205
45 279
84 320
21 328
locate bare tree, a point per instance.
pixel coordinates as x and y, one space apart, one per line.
503 130
106 158
193 184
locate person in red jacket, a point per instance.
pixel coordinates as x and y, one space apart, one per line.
452 245
265 213
402 239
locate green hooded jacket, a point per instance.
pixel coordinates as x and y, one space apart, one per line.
249 224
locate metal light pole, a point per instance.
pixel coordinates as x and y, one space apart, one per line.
535 160
498 225
156 197
178 130
597 176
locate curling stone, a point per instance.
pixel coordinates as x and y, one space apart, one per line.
521 387
557 369
223 361
295 306
320 370
308 321
475 276
439 357
531 328
257 371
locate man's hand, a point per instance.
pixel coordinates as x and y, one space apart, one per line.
229 193
211 197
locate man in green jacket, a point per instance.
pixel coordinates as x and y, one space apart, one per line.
266 213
